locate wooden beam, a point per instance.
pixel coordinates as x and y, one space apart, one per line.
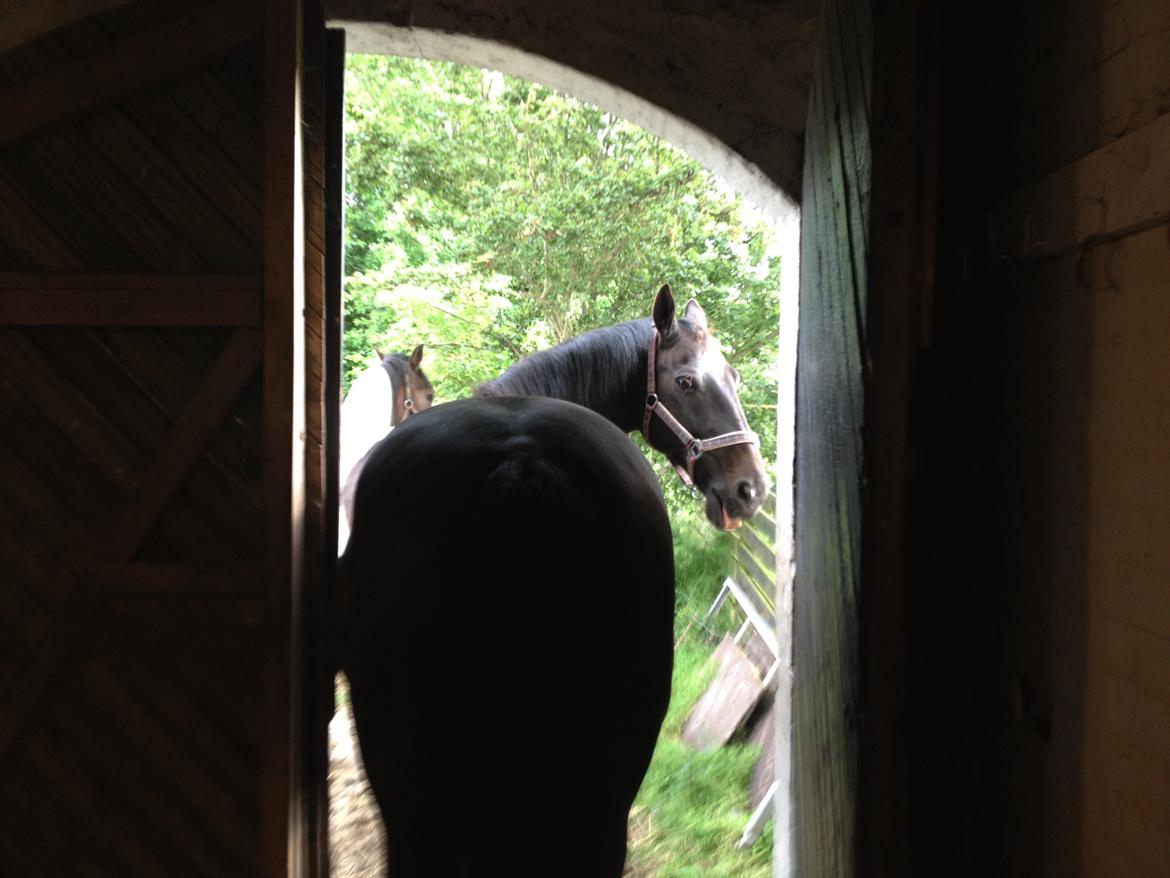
25 690
184 444
186 441
127 67
283 841
65 299
143 579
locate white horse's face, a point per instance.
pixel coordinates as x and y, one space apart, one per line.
413 392
385 394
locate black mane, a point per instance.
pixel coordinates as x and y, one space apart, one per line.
597 370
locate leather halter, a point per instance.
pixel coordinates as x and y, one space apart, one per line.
693 447
407 402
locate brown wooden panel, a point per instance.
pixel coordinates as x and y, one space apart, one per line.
147 579
126 67
166 180
139 704
132 693
73 234
187 440
30 241
184 208
41 382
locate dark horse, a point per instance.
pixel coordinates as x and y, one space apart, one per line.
508 630
657 376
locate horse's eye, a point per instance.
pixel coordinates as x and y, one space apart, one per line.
686 382
430 397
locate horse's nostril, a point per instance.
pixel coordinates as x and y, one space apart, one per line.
746 491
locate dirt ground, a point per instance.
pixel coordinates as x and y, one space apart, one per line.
356 843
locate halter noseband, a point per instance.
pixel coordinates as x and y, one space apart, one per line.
693 447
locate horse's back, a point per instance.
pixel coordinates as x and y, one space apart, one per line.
510 636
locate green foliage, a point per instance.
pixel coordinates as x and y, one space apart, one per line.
693 807
489 217
702 557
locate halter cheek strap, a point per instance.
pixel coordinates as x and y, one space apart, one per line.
693 447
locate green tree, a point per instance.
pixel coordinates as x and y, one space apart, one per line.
489 217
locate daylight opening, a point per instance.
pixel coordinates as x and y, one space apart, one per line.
488 218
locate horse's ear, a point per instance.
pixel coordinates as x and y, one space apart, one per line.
379 354
695 314
664 312
416 357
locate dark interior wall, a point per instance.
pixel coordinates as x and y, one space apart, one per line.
1040 587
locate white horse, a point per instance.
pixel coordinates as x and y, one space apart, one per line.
384 395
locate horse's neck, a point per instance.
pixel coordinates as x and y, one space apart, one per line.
366 416
608 377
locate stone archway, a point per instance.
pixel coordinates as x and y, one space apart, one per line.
728 82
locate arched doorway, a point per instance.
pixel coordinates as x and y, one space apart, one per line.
740 175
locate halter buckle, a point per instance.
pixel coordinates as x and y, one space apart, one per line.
651 400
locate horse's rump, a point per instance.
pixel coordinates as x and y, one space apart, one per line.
510 636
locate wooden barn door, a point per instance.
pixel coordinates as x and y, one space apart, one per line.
156 325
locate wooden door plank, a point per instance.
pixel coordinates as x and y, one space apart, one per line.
36 676
283 843
38 240
80 420
96 280
127 67
139 579
186 441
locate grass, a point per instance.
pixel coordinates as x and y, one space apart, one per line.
693 806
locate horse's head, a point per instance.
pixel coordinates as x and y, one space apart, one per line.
412 388
693 415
